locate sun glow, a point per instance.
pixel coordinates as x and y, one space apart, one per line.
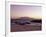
26 11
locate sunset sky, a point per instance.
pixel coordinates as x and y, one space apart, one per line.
25 11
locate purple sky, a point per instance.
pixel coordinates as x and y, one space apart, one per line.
25 10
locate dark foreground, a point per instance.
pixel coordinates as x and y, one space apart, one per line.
17 28
26 24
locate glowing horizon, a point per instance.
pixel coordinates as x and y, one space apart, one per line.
26 11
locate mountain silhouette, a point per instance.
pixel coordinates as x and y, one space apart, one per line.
25 20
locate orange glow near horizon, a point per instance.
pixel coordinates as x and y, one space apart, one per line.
26 11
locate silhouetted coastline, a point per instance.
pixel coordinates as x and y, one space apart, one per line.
25 24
